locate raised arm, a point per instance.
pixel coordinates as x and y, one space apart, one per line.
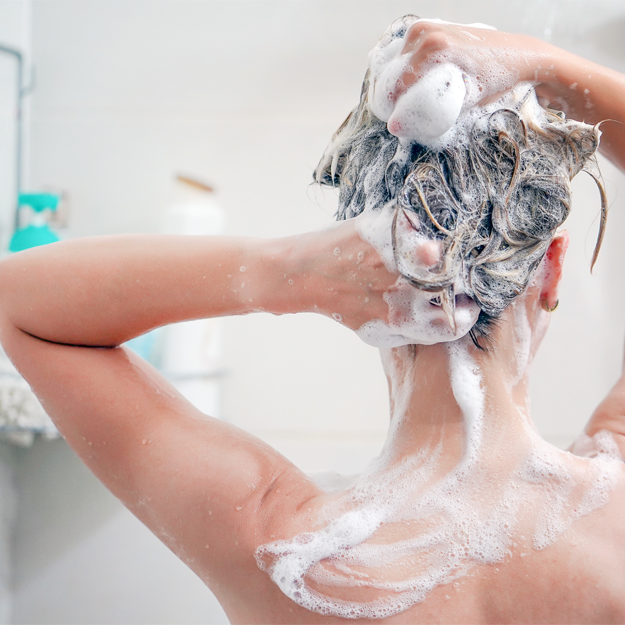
103 291
582 89
211 492
106 290
587 92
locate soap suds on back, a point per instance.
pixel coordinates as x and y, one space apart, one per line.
364 544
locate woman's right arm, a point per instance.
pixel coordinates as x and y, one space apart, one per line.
587 92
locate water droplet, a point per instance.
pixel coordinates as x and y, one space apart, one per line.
144 441
239 508
242 268
290 281
338 317
337 251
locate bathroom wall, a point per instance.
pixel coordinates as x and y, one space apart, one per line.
14 33
246 95
8 511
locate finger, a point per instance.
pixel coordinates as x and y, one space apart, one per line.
425 42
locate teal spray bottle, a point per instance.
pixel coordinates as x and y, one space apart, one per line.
35 211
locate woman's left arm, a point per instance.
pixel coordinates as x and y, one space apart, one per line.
199 484
102 291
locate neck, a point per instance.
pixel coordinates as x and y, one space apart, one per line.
470 402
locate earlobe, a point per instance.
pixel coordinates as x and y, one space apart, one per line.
554 259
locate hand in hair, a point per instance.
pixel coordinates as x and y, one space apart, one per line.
340 275
498 61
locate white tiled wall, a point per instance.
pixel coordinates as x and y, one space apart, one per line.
246 95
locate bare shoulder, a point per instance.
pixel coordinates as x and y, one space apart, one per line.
600 536
588 562
579 577
582 575
211 492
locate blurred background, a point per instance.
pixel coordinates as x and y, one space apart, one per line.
123 96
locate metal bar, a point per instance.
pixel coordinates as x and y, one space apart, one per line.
19 130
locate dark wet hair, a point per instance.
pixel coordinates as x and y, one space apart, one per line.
494 198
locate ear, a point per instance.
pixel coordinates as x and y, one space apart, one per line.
554 261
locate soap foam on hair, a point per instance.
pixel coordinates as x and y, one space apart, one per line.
412 319
443 103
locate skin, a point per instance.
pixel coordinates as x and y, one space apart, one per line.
64 333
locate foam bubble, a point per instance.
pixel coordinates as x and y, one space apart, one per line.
523 334
430 108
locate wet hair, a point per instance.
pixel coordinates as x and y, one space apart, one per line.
494 198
